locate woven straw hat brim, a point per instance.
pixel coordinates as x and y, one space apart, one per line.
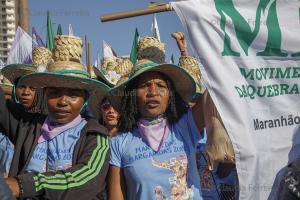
14 71
102 77
6 88
51 79
182 81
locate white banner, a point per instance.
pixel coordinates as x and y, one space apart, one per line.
250 55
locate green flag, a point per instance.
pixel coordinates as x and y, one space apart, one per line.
50 34
133 53
172 60
59 30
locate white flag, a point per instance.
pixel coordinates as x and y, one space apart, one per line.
108 52
71 30
154 28
21 50
250 58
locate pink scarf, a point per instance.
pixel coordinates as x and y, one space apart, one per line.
155 132
51 129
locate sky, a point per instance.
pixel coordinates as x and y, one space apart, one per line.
85 19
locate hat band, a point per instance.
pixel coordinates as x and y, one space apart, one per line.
142 66
80 72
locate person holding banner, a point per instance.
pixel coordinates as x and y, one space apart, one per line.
158 132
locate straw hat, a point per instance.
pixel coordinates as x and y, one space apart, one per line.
191 65
152 49
124 67
182 81
66 71
111 75
40 57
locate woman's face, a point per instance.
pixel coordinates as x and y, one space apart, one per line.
64 104
152 94
26 95
109 115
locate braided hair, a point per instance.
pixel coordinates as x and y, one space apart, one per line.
130 113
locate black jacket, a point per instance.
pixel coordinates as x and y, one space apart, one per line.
84 180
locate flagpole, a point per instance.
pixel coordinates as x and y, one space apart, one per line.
135 13
87 55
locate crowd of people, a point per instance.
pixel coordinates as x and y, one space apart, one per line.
144 130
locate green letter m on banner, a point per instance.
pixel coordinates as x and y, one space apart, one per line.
244 34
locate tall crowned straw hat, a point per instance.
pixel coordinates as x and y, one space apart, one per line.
66 70
114 71
191 65
40 57
151 48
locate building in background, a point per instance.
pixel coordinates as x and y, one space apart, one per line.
13 13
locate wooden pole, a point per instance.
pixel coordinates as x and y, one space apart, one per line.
23 15
87 55
135 13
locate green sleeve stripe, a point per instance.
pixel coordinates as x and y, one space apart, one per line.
63 185
63 178
104 142
80 177
94 158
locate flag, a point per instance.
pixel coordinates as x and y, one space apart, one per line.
172 60
36 39
134 48
71 30
59 30
21 50
154 28
108 52
50 33
249 53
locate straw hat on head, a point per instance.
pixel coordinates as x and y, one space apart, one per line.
152 49
124 67
182 81
66 70
107 61
40 57
111 76
191 65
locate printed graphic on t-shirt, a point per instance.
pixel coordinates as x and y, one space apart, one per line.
178 184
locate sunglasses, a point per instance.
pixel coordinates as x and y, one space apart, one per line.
106 106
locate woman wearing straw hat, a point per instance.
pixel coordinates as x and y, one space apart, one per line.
62 155
153 157
26 95
110 73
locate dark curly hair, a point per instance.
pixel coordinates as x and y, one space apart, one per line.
130 114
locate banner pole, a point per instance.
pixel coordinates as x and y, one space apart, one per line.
87 53
135 13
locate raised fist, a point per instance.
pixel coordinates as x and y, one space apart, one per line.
181 43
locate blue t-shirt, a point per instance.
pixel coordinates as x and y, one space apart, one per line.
6 154
170 173
57 153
